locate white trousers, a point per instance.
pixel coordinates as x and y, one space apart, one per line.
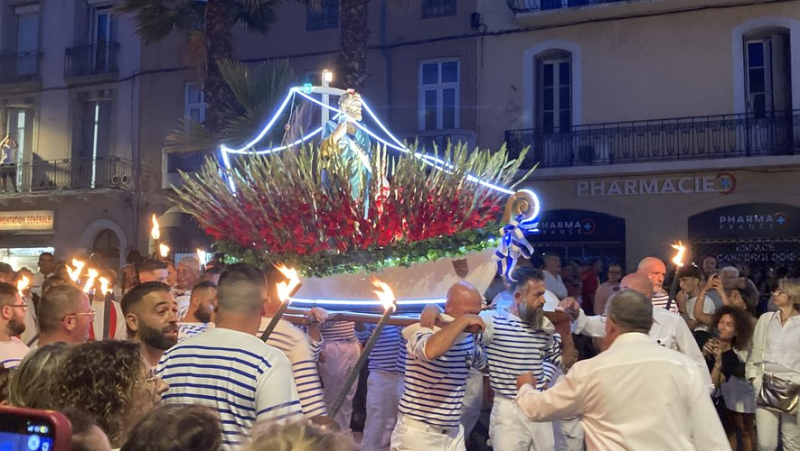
337 360
769 423
382 403
417 437
473 401
511 430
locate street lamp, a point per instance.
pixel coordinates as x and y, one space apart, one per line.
327 78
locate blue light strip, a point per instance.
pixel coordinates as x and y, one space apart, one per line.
365 302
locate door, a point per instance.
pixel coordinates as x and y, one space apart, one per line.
552 140
27 44
19 126
102 39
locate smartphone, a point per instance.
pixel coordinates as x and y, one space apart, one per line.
34 430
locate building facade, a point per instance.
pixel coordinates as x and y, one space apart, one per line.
69 104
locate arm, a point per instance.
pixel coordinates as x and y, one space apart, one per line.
687 345
717 378
561 401
752 369
316 316
592 326
706 430
699 315
440 342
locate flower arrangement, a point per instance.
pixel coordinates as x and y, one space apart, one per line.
299 209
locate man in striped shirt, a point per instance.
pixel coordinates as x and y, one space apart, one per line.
340 352
230 369
436 373
200 315
656 271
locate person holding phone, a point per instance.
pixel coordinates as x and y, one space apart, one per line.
729 350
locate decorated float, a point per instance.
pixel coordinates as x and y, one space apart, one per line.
344 201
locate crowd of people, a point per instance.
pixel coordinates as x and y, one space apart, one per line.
172 357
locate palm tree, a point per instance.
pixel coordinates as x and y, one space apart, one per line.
208 24
256 90
351 63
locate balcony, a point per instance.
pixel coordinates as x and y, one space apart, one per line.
19 70
91 61
680 139
526 6
53 176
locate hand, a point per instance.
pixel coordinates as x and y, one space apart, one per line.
429 316
471 323
526 378
713 283
570 306
710 348
317 315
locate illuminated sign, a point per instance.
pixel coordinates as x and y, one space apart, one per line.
26 220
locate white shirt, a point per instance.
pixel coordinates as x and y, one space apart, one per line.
12 352
120 333
634 396
303 354
38 280
669 330
782 351
708 308
555 284
237 374
183 302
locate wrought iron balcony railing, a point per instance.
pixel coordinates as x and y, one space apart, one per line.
690 138
526 6
68 174
91 60
20 67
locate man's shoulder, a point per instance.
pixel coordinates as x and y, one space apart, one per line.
664 315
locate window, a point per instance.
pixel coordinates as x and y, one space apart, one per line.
195 103
439 95
92 137
27 40
323 18
767 73
438 8
554 92
19 126
102 38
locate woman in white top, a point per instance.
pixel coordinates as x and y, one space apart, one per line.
776 351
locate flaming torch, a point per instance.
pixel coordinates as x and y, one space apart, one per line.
89 286
386 296
155 233
75 270
23 284
163 250
678 261
203 257
286 290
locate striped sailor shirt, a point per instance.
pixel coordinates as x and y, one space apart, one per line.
337 330
187 330
661 299
303 354
235 373
434 389
384 355
513 347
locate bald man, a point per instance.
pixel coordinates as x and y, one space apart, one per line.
436 373
656 271
668 329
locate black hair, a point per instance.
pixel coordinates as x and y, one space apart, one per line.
138 292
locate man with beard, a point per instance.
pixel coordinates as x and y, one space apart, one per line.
200 316
151 317
12 323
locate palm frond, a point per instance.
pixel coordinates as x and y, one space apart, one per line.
256 16
197 54
156 19
190 137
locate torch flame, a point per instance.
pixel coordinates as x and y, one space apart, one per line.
23 283
90 281
678 259
285 289
202 256
75 273
105 286
384 294
163 250
155 233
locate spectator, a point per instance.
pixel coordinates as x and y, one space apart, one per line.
86 435
689 278
110 381
212 275
201 313
776 351
655 269
7 274
729 276
36 376
127 280
729 354
590 282
133 257
177 428
607 288
172 274
52 281
61 272
229 368
12 324
47 267
152 271
298 436
6 374
552 276
66 317
151 319
709 265
188 276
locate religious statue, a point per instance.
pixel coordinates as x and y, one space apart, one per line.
344 140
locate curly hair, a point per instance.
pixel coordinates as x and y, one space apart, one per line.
101 378
298 436
177 427
6 375
32 385
742 324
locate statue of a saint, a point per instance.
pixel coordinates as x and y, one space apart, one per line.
342 139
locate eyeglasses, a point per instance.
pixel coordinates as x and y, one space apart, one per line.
91 312
23 306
